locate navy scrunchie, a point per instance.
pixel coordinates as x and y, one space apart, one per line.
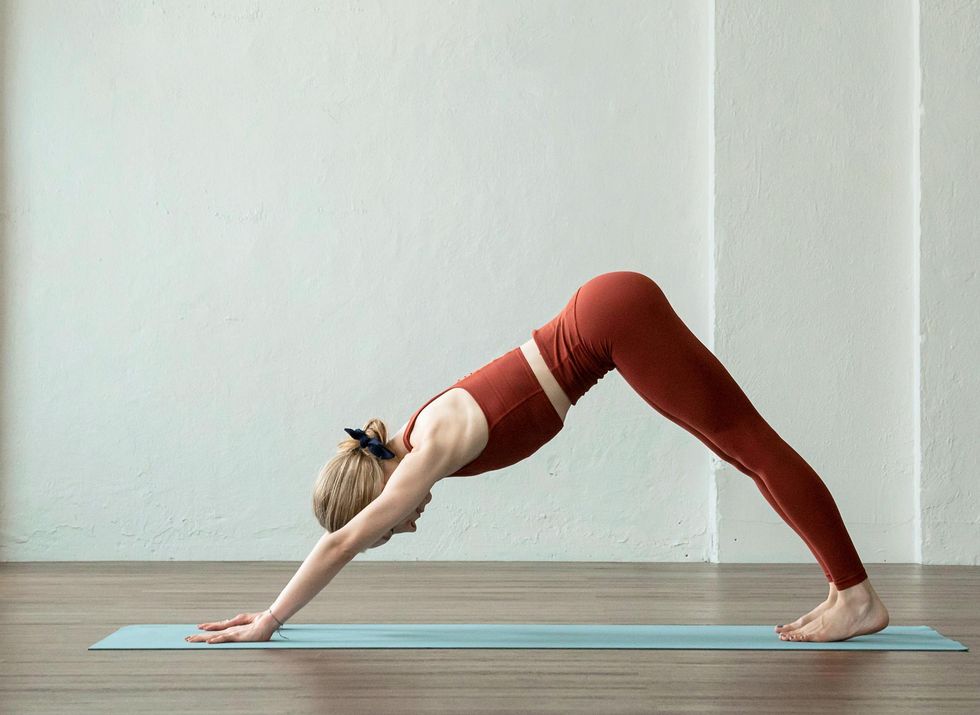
373 444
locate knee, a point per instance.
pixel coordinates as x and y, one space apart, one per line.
746 438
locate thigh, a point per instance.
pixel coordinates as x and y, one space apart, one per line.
628 316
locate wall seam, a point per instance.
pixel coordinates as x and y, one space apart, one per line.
917 278
714 462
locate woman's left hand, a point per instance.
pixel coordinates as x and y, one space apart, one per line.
244 627
409 524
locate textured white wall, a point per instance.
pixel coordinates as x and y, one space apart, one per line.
950 288
207 206
234 229
813 258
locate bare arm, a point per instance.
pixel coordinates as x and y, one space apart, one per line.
318 569
406 489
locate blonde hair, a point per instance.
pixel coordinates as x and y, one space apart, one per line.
350 481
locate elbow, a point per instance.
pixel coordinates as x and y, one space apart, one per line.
340 544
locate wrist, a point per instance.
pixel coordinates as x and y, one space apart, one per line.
270 620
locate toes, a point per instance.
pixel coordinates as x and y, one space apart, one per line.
807 634
790 630
788 627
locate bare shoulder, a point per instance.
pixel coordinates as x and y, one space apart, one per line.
452 431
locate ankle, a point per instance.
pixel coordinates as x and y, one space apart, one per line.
857 593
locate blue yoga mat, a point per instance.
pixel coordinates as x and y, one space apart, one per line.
170 636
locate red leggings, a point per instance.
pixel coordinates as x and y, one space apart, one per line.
623 320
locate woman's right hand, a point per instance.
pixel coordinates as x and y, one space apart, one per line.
257 626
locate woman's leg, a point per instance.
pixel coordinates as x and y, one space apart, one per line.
766 494
627 316
832 593
622 320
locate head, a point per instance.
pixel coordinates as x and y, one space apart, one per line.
351 480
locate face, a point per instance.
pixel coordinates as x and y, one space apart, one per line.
409 524
406 526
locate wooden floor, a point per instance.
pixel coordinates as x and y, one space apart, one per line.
50 613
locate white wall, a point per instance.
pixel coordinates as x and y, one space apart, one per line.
232 229
949 382
813 257
234 232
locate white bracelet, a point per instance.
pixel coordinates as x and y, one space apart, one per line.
281 624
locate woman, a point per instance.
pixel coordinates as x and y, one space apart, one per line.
376 487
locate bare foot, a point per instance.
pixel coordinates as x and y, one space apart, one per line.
856 612
803 620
